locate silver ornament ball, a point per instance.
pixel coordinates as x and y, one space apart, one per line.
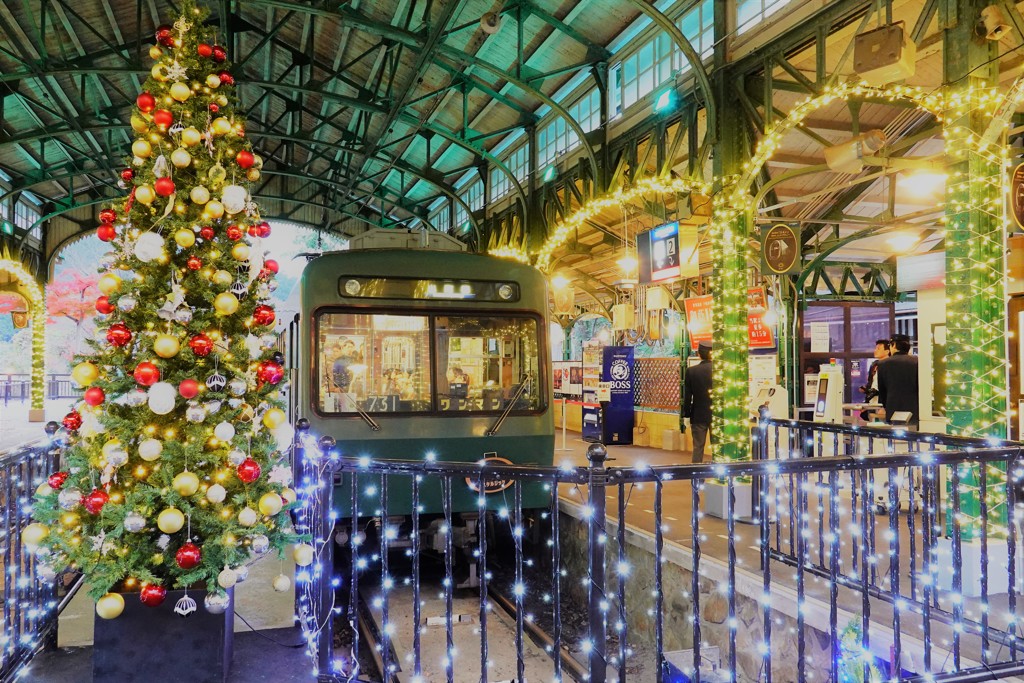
216 603
237 387
69 499
236 457
260 544
127 303
195 414
134 522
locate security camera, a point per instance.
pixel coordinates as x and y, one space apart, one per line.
491 22
993 24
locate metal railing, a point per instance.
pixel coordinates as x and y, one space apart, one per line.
30 599
18 387
845 575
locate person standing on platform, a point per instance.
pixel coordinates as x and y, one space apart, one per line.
898 381
697 400
870 388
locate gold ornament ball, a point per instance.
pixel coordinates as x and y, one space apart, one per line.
159 72
257 162
240 251
281 583
214 209
181 91
142 149
181 158
34 534
303 554
221 126
222 100
43 489
186 484
270 504
155 52
248 517
109 283
288 495
191 137
222 278
252 175
110 606
110 446
170 520
145 194
184 238
227 578
166 346
85 374
225 304
274 418
246 413
199 194
217 174
213 81
150 450
139 124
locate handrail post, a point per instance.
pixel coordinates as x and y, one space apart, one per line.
597 454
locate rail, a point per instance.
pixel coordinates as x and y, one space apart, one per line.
831 586
18 387
31 601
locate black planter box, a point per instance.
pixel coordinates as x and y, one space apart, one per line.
155 645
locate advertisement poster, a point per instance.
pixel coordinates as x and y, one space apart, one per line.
699 322
568 379
617 370
821 341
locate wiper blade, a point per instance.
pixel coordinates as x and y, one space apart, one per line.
363 414
511 404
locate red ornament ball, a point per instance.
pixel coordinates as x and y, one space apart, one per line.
94 396
204 50
194 263
263 315
163 118
249 471
106 232
95 501
108 216
270 372
234 233
188 555
245 158
253 230
145 102
72 421
127 175
165 35
206 232
201 345
214 107
188 388
146 374
264 229
226 77
164 187
271 265
103 305
119 335
219 53
57 479
152 595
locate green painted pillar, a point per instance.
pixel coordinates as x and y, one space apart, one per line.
975 273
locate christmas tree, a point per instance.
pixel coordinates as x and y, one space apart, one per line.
175 473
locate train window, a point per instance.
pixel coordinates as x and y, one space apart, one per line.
374 363
484 364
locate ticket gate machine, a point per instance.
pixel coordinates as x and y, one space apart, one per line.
828 400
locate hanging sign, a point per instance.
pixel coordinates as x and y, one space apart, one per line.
780 249
1017 195
699 325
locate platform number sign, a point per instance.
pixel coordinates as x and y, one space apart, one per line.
493 484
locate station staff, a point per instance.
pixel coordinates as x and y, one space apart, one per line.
697 399
898 381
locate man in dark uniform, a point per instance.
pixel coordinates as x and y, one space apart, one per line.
697 399
898 381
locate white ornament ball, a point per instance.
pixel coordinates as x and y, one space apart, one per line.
69 499
127 303
135 397
237 387
241 573
117 457
236 457
248 517
150 450
227 578
195 413
260 544
216 494
134 522
233 197
225 431
149 247
216 603
282 583
161 397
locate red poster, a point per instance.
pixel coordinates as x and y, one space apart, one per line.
700 327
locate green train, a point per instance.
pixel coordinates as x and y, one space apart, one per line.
425 353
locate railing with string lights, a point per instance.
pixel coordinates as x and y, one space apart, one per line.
30 599
833 554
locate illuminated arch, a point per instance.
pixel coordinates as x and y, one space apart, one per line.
27 287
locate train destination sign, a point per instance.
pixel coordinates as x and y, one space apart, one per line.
494 484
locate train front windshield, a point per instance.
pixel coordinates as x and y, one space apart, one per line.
422 363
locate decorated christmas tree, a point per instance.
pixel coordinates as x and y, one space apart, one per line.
175 472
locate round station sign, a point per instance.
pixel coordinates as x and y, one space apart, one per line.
780 248
1017 195
494 483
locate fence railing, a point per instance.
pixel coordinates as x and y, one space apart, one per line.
18 387
30 598
849 574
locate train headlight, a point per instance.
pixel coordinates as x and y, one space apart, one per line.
506 291
352 287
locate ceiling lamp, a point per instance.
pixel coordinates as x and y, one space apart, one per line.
902 242
490 23
848 157
922 184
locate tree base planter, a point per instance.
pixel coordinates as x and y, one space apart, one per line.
155 645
